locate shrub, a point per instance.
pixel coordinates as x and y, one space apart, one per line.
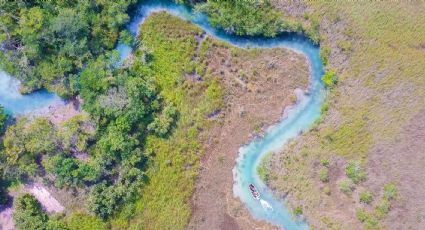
324 174
366 197
28 213
346 186
244 17
325 162
163 123
382 208
367 218
330 79
298 211
355 172
3 118
390 191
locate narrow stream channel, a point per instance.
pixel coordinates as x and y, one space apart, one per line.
17 104
297 119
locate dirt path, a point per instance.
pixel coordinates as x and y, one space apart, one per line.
270 78
48 202
6 220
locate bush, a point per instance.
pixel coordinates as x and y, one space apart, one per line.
366 197
382 208
298 211
367 218
330 79
3 118
390 191
324 174
244 17
355 172
325 162
28 213
163 123
346 186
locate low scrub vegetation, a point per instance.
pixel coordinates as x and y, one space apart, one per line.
355 172
366 197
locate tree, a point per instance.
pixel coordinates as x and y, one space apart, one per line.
25 141
28 213
244 17
3 118
162 124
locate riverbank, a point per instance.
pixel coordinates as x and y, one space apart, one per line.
235 93
271 77
373 116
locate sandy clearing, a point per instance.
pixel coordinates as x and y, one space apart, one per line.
49 203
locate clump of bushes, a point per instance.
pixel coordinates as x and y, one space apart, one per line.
346 186
390 191
3 118
29 215
367 218
244 17
366 197
371 219
355 172
330 79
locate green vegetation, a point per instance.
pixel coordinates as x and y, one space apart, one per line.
366 197
164 203
324 174
330 79
244 17
82 221
355 172
29 215
262 168
370 221
390 191
47 43
3 118
298 211
346 186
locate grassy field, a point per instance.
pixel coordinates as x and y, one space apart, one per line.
165 200
377 50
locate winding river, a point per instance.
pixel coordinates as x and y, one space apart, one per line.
296 119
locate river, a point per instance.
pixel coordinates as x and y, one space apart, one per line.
295 120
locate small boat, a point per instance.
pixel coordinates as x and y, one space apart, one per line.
254 192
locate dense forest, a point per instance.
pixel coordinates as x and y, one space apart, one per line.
47 43
67 47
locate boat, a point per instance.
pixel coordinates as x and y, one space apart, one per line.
254 192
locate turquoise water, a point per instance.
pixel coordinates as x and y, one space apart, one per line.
297 119
17 104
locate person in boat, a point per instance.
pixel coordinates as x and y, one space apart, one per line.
254 191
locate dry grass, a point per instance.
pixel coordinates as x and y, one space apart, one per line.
378 52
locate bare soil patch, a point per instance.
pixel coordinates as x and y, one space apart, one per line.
259 84
39 191
402 159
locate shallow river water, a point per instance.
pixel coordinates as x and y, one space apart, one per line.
296 119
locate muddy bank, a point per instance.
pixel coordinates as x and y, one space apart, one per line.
259 84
